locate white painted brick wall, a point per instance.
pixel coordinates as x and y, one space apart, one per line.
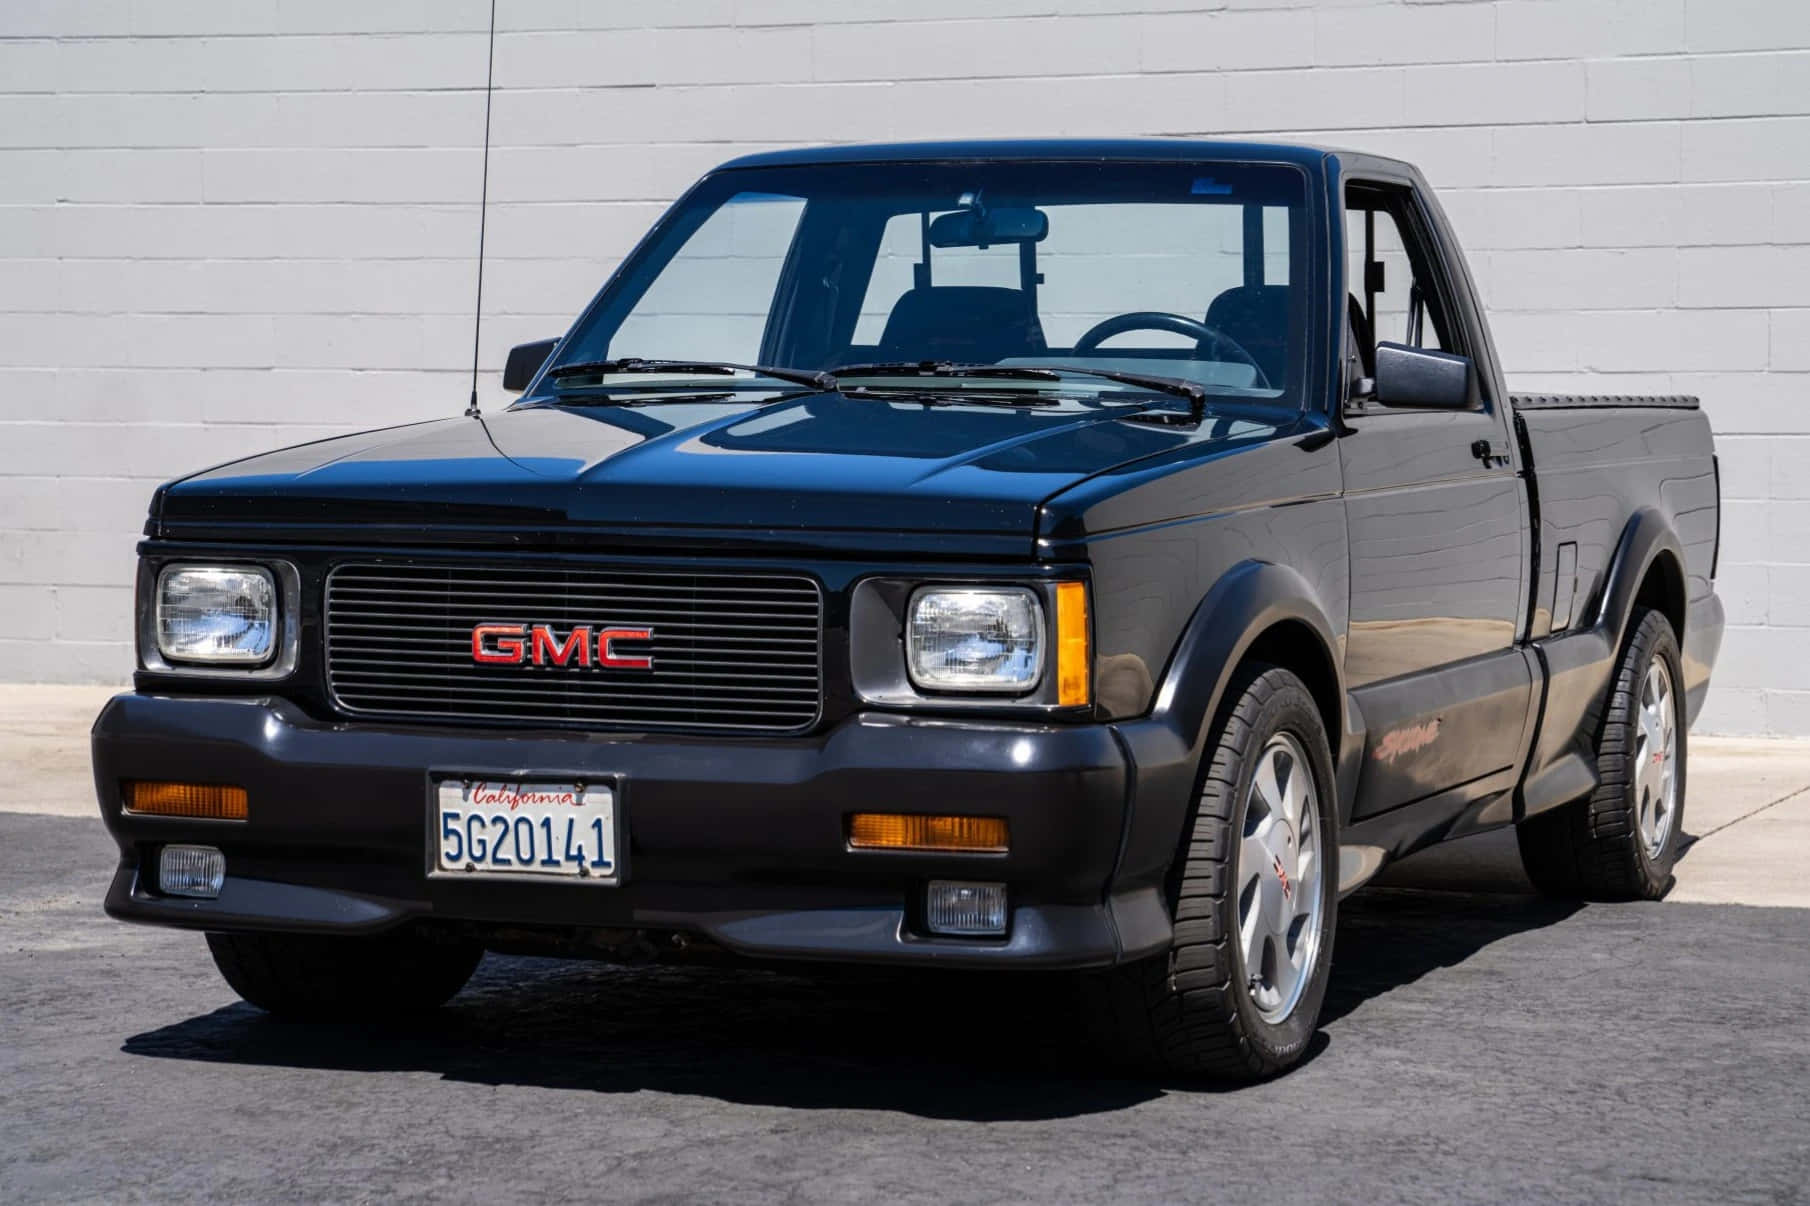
227 225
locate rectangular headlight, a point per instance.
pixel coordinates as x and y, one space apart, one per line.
973 638
216 615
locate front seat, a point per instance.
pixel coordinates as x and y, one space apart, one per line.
1257 317
971 324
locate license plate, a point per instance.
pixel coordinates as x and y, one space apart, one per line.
512 829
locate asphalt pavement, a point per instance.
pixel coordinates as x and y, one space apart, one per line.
1477 1046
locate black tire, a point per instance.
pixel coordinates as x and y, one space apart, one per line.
1191 1011
329 978
1593 848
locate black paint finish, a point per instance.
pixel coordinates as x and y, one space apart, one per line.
1412 583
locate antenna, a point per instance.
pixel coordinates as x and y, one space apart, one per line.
477 319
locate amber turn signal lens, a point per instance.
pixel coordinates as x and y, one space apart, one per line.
211 801
897 831
1073 685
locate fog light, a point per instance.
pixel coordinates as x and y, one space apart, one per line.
191 871
967 909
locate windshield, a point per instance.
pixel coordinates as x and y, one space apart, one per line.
1191 271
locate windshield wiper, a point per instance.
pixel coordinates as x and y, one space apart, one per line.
1179 387
944 368
1195 393
636 364
828 379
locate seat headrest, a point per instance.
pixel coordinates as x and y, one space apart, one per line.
962 323
1257 317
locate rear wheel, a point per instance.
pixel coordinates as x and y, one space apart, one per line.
1621 841
1238 995
322 977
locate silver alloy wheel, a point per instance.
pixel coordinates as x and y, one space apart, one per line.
1278 877
1655 759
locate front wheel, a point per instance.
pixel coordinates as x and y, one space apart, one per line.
1255 893
332 978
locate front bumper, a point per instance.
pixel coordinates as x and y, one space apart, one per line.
740 841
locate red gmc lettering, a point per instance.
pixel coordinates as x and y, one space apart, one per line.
507 648
606 651
547 648
541 645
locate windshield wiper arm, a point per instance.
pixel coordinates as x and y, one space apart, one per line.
637 364
945 368
824 380
1195 393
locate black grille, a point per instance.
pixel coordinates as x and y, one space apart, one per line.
730 651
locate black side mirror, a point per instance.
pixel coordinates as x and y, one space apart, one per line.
525 361
1421 377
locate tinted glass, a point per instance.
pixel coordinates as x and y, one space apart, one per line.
1188 270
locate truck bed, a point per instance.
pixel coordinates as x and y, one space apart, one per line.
1597 460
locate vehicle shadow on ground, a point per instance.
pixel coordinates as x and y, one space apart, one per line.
950 1046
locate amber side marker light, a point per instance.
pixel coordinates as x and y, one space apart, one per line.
898 831
210 801
1073 688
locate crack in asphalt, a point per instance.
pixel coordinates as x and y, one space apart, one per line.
1789 796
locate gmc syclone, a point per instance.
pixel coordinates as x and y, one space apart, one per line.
1084 556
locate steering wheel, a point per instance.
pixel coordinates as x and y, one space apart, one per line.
1220 345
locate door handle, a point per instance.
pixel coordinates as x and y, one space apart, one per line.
1490 453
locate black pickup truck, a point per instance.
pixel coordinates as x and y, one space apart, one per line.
1086 556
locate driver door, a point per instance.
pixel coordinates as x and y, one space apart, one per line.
1437 521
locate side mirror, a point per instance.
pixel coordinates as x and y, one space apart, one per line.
525 361
1421 377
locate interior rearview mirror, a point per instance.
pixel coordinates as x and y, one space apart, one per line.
1422 377
969 228
525 361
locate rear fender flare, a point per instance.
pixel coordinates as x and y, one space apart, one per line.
1578 668
1647 536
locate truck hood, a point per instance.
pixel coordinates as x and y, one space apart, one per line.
824 470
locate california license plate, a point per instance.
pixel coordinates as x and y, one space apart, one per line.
513 829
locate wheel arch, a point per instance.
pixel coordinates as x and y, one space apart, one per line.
1294 645
1257 609
1662 589
1647 569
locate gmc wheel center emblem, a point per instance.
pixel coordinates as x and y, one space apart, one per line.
541 645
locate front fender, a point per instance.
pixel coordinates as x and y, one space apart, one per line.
1167 745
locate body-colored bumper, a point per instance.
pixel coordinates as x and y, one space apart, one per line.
740 841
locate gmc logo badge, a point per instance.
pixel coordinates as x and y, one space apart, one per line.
541 645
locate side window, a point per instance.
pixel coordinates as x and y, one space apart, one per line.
1395 297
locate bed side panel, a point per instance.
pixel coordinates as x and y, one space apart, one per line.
1595 466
